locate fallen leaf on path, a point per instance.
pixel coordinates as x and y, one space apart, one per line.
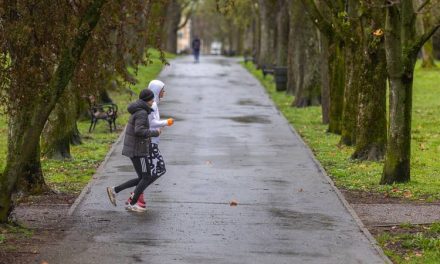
44 262
233 202
208 162
300 190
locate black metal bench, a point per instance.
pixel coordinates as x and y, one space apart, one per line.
249 59
268 69
107 112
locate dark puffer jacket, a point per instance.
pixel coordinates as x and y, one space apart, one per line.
138 133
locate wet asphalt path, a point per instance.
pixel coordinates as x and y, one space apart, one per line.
229 142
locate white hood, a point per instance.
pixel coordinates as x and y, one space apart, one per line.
154 117
156 86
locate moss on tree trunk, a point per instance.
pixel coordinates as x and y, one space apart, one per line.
59 128
352 86
398 154
336 67
325 80
371 123
402 45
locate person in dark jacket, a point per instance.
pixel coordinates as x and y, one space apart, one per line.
196 49
136 147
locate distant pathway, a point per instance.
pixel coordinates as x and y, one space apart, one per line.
229 142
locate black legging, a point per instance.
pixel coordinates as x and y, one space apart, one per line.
142 168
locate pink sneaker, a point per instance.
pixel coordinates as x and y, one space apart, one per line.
135 208
141 202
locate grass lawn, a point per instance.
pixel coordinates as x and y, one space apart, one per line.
72 175
365 176
412 243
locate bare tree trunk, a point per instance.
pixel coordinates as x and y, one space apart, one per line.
172 21
325 80
267 32
337 76
75 138
58 131
400 67
291 49
371 120
308 91
27 124
256 38
398 152
282 34
352 86
428 60
423 20
320 13
31 180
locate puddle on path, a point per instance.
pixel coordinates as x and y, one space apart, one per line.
249 119
240 83
125 168
302 221
249 102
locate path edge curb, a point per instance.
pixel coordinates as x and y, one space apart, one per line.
95 176
341 197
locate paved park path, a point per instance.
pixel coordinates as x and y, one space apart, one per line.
229 142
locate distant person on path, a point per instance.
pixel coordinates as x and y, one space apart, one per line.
137 146
196 49
156 161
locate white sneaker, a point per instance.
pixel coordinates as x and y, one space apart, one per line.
135 208
111 195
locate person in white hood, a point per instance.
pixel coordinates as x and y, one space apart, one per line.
156 161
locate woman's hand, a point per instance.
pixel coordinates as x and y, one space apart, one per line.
170 121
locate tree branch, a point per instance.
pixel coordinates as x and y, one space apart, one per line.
419 9
184 22
420 41
71 56
318 19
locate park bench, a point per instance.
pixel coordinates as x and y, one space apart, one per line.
248 58
268 69
107 112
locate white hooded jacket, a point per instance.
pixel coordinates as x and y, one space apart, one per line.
154 117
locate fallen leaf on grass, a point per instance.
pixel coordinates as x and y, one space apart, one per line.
407 194
233 202
378 32
418 254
